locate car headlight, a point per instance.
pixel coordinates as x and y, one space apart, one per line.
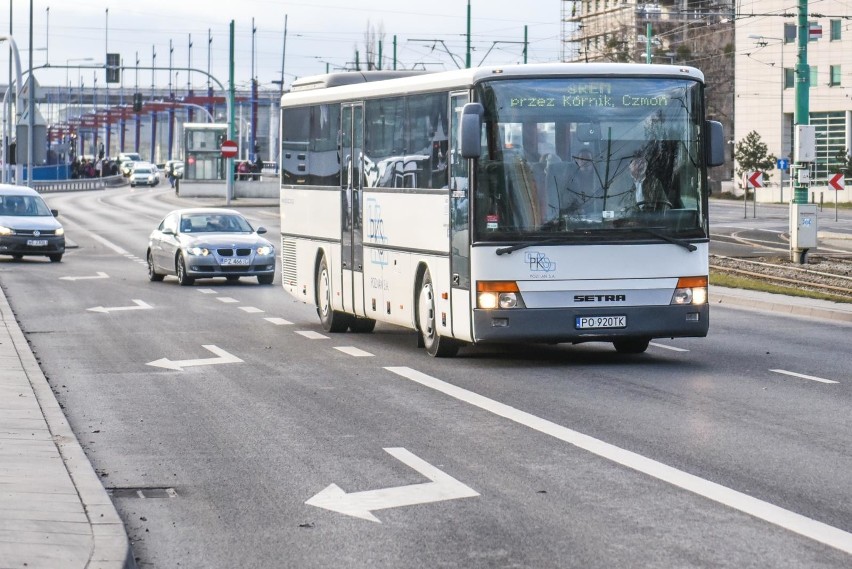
198 251
690 290
6 230
60 232
265 250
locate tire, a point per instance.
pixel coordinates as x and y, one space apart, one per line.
55 258
436 345
265 279
631 346
180 271
232 278
153 275
331 320
17 257
362 325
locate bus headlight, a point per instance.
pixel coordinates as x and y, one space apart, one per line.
498 294
690 290
198 251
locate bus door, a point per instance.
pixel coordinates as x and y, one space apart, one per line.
351 179
459 223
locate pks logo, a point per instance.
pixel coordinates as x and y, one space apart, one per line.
539 262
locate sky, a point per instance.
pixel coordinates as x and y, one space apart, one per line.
320 34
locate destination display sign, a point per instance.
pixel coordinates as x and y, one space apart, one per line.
588 94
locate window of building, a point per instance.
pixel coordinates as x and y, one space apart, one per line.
834 76
789 77
835 29
830 139
789 33
814 76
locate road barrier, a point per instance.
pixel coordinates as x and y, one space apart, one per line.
79 184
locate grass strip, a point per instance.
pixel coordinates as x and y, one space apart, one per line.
718 278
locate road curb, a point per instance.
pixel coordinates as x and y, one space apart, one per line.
780 304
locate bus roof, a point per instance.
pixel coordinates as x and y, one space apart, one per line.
355 85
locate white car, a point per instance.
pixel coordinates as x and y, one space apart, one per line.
144 174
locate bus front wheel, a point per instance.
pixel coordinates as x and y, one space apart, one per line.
435 344
331 320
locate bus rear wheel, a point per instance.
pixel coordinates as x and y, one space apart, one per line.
331 320
631 346
436 345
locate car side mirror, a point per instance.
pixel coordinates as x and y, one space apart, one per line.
470 130
260 230
55 212
168 231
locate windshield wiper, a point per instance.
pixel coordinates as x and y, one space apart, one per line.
667 238
519 246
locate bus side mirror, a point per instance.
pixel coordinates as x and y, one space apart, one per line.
470 130
715 148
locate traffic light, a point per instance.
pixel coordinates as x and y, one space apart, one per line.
219 140
113 68
137 102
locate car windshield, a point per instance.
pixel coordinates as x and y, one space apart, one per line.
214 223
23 206
582 159
142 171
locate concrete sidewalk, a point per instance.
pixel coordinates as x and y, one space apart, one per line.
54 512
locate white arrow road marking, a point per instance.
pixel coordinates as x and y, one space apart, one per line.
139 305
797 523
361 504
99 275
224 358
803 376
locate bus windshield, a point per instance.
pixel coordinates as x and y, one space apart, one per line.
590 159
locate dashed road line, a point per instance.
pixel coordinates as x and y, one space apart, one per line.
207 291
803 376
353 351
251 309
665 347
226 299
279 321
311 335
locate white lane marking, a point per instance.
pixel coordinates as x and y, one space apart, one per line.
792 521
108 243
803 376
311 335
278 321
98 275
227 299
353 351
138 305
206 290
441 486
250 309
223 358
665 347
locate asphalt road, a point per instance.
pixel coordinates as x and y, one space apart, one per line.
727 451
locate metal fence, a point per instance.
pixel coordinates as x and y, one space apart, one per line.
79 184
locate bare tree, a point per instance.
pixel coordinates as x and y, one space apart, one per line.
373 36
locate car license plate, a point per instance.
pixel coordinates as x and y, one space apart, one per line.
37 242
586 322
235 261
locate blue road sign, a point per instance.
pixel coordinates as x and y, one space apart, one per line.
782 164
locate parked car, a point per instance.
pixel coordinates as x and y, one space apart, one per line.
200 243
28 226
144 174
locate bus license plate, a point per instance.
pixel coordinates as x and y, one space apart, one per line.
235 261
586 322
37 242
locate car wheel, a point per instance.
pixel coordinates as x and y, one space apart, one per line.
17 257
436 345
631 346
183 278
331 320
265 279
55 258
153 275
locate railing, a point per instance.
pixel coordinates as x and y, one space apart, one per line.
79 184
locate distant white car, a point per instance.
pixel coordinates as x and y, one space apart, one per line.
145 174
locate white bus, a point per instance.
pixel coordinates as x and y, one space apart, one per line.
532 203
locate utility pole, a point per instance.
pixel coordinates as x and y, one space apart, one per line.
229 162
803 216
467 59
